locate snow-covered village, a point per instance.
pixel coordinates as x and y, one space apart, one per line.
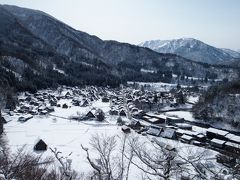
151 93
63 122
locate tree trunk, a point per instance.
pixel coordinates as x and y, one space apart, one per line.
1 123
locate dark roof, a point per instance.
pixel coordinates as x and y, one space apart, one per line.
122 112
40 146
90 114
3 120
168 133
154 131
135 123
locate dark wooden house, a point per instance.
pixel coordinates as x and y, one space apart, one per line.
216 133
126 129
65 106
232 147
154 131
122 113
90 114
105 99
135 125
40 146
169 133
85 103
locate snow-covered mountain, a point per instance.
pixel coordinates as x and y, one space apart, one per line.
42 51
235 54
192 49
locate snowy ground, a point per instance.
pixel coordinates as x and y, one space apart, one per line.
165 87
67 136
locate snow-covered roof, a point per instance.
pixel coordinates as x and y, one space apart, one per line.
218 141
217 131
168 133
192 133
146 117
153 119
154 131
158 116
183 125
186 137
161 116
233 137
235 145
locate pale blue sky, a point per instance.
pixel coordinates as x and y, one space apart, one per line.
216 22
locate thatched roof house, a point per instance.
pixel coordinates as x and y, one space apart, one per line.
40 146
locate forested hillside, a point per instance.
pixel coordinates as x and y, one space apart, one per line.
220 103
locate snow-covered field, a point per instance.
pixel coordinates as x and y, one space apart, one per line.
159 86
68 135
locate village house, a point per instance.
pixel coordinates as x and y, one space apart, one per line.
25 118
184 126
136 125
226 160
186 138
85 103
126 129
113 112
169 133
232 147
122 113
217 143
90 114
40 146
105 99
233 138
154 131
138 114
65 106
154 118
216 133
174 120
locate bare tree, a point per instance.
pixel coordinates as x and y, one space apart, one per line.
199 164
22 165
66 172
155 160
104 147
111 162
2 104
123 162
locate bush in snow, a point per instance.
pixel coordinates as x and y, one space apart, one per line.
100 115
120 122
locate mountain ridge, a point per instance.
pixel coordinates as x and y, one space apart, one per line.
192 49
42 44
